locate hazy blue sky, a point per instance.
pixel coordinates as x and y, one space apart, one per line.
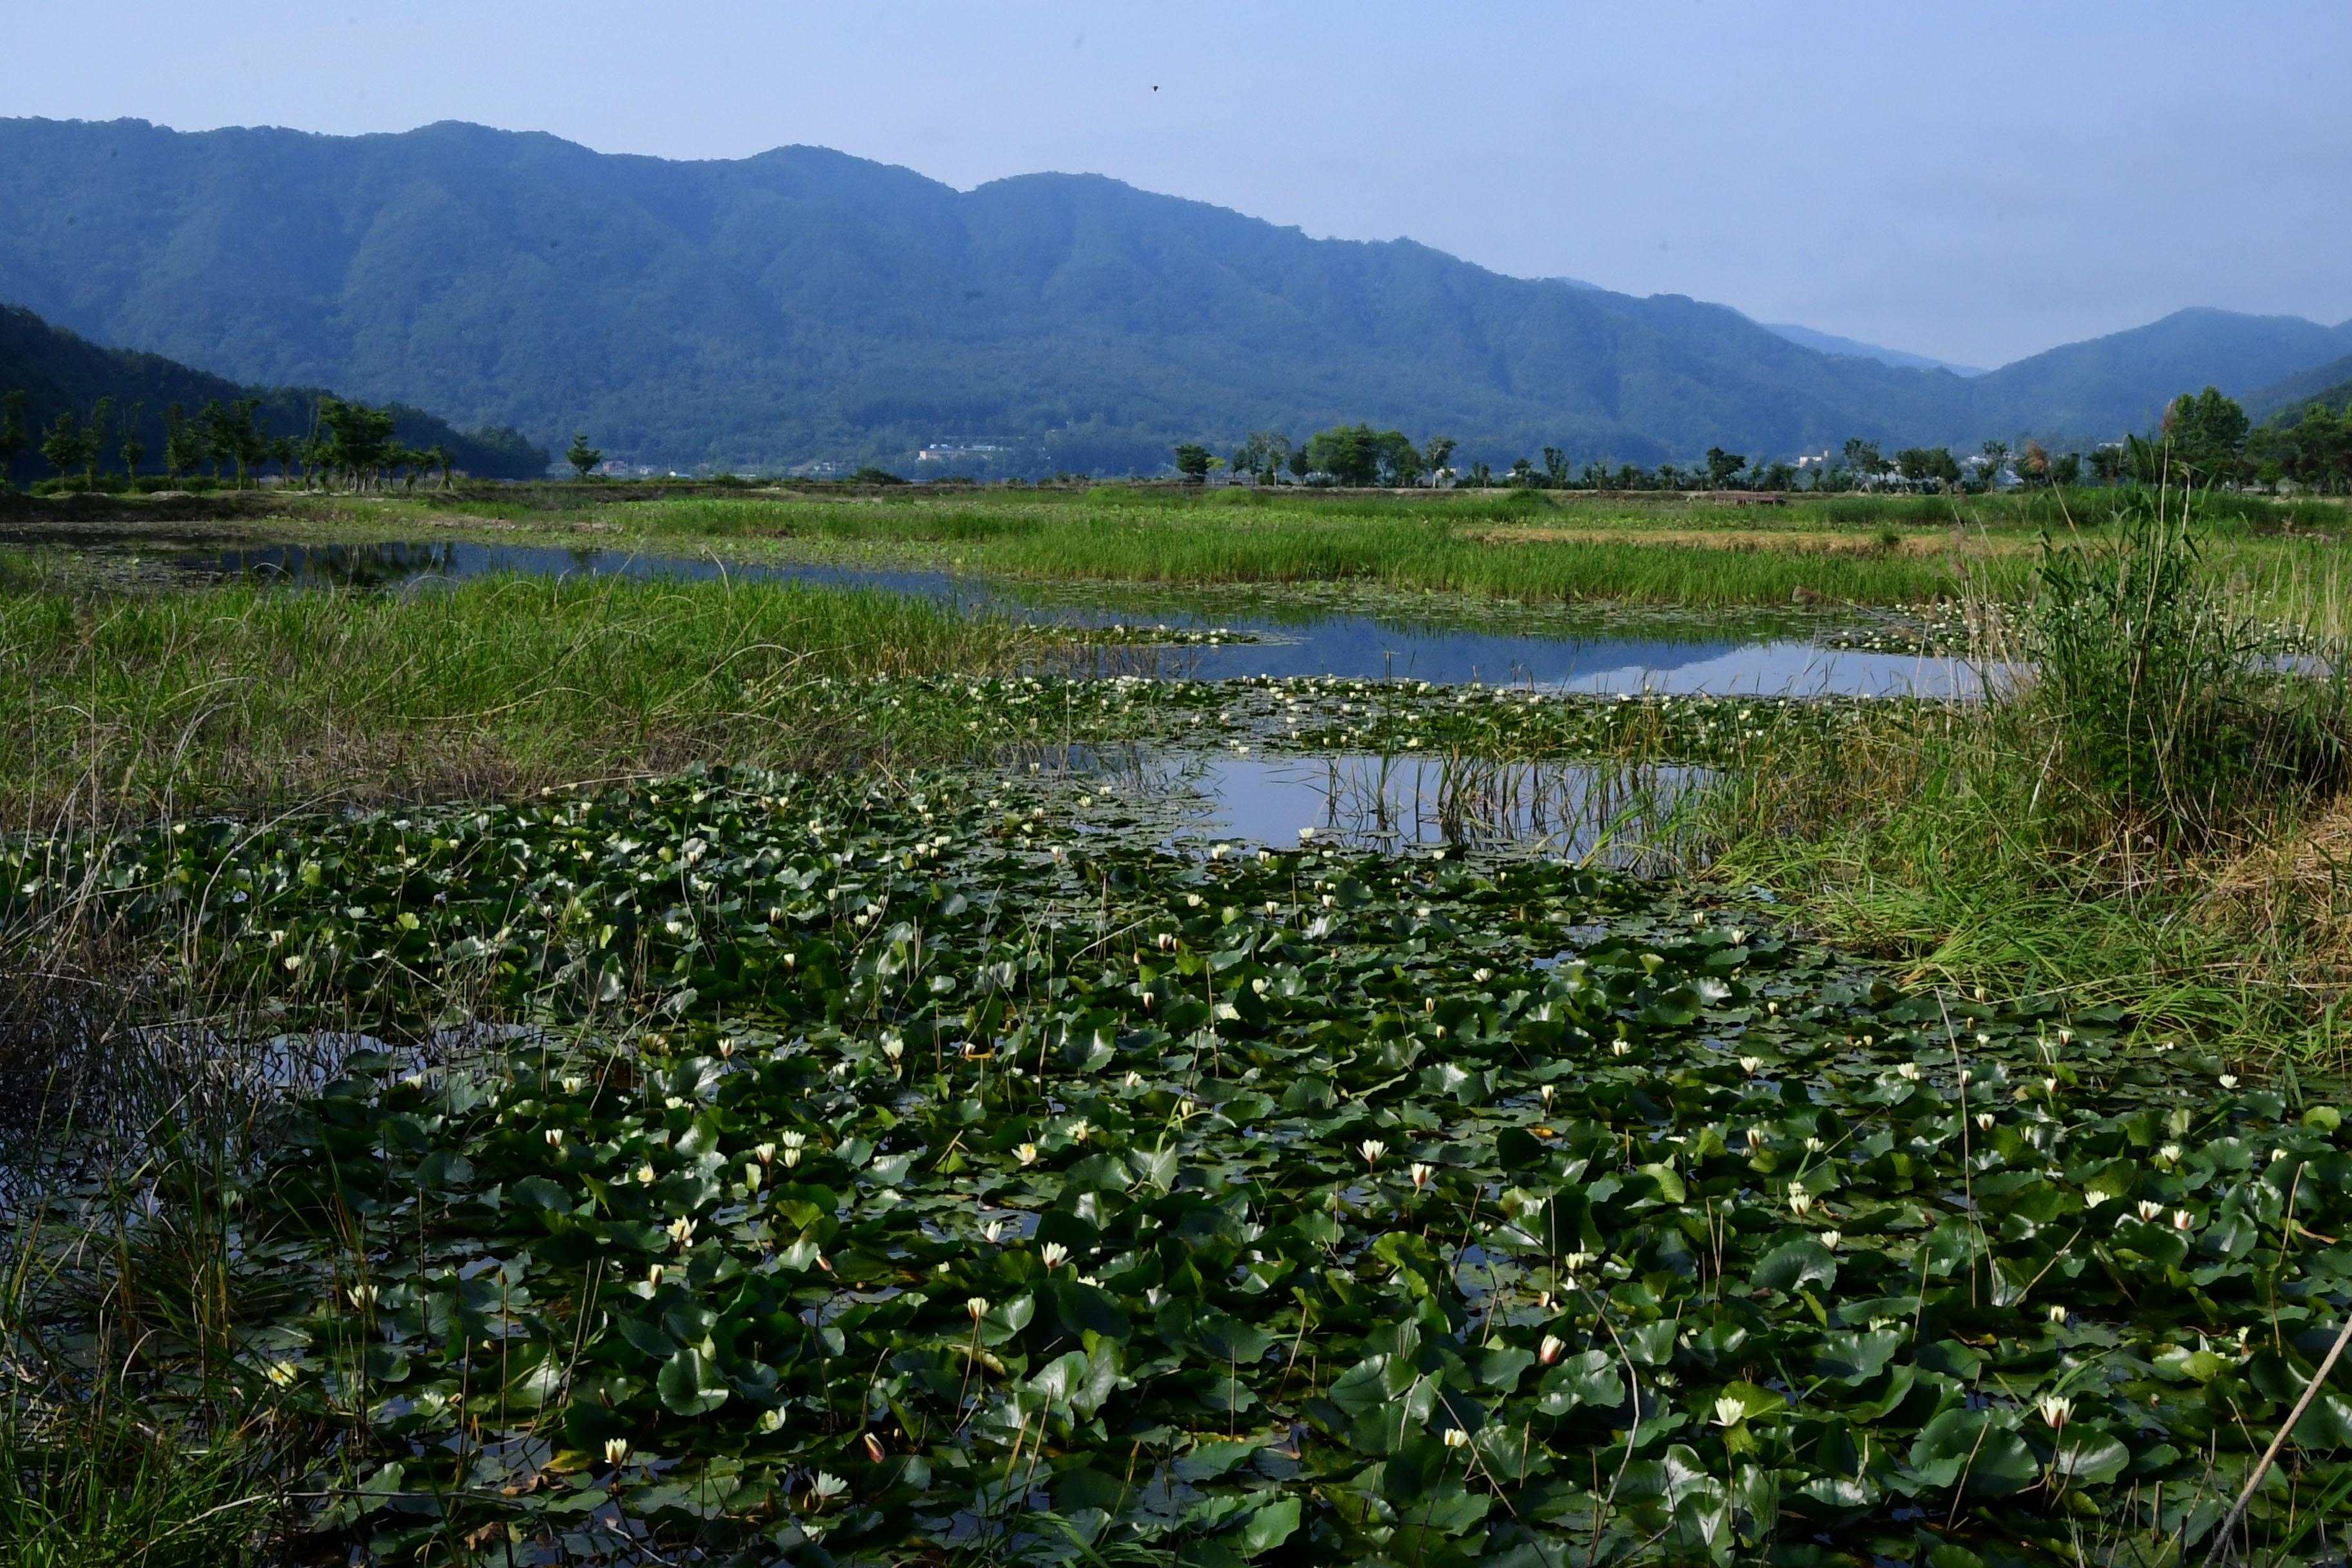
1973 181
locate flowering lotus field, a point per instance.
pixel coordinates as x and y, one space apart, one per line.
875 1174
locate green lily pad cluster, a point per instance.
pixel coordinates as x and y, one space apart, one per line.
914 1173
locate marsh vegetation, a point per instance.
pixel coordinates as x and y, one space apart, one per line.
609 1069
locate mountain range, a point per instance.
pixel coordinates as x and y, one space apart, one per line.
804 304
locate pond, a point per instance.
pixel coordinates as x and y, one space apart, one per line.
1604 652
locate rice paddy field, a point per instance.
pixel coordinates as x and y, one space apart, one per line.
590 1025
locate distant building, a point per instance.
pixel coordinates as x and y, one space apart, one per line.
951 451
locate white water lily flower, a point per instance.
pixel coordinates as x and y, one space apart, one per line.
2053 1409
827 1486
1420 1173
1576 1260
2050 1086
2057 1314
1814 1145
1054 1255
1984 1120
281 1373
1909 1072
573 1085
1371 1149
1026 1153
1749 1063
645 1176
681 1231
2183 1220
1756 1140
555 1137
793 1139
1548 1351
2169 1153
616 1451
772 1420
1801 1201
764 1153
1832 1240
2229 1081
977 1306
2150 1208
1455 1437
1620 1047
992 1231
1730 1410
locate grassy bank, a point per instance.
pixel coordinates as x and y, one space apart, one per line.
138 704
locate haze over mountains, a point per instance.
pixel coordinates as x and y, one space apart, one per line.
804 304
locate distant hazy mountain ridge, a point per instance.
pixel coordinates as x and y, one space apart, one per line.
804 304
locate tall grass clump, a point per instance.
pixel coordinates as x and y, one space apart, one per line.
2085 830
2167 709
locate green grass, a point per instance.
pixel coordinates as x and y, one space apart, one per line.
150 703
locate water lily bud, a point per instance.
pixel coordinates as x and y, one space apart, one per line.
362 1296
1756 1140
1132 1079
2057 1314
1801 1202
2054 1408
1548 1351
993 1230
1546 1091
726 1049
764 1153
1984 1120
616 1451
1420 1173
555 1137
653 1275
2183 1220
2050 1086
874 1448
1455 1437
572 1085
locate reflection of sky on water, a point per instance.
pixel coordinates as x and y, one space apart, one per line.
1367 801
1339 643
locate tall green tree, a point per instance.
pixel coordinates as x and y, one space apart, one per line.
1555 463
1864 461
357 438
1723 467
438 455
93 441
583 458
1192 461
133 449
184 443
2208 432
61 443
12 434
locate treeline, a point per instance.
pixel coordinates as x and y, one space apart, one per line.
348 446
2204 437
1361 457
65 378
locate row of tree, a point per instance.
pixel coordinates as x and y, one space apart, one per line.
1359 455
2205 435
350 445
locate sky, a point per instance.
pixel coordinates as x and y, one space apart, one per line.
1975 182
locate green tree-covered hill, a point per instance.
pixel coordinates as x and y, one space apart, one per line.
60 372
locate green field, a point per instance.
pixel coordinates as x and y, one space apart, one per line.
501 1070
